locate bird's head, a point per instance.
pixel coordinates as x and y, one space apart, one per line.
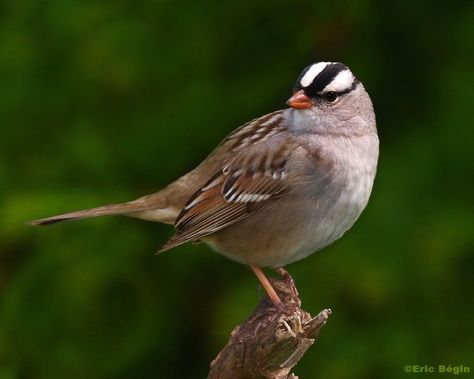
329 92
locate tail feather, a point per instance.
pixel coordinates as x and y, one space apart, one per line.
106 210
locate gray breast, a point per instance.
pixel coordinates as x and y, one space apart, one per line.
332 210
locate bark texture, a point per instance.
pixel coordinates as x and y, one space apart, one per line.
272 340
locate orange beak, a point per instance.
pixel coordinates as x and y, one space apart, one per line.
299 100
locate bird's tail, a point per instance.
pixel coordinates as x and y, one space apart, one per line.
140 208
112 209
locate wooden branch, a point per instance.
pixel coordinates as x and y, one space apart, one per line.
271 341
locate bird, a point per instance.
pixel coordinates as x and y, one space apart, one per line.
278 188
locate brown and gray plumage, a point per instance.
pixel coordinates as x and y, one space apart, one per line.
281 186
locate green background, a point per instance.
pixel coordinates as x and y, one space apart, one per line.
106 101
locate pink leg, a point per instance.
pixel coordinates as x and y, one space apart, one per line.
266 284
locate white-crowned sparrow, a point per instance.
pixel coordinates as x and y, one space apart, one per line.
278 188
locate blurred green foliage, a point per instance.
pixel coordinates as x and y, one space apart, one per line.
106 101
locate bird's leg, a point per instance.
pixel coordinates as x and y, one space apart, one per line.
266 284
288 280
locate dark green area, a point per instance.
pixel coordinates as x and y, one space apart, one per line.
106 101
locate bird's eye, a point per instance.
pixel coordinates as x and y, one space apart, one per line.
330 96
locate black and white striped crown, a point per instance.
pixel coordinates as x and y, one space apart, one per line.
322 77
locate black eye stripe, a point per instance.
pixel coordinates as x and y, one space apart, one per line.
325 77
340 93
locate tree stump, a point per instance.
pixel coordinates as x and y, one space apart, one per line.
272 340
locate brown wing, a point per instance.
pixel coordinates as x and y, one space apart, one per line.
246 184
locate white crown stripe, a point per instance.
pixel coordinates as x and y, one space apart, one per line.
314 71
342 82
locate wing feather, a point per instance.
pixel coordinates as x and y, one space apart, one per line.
250 180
